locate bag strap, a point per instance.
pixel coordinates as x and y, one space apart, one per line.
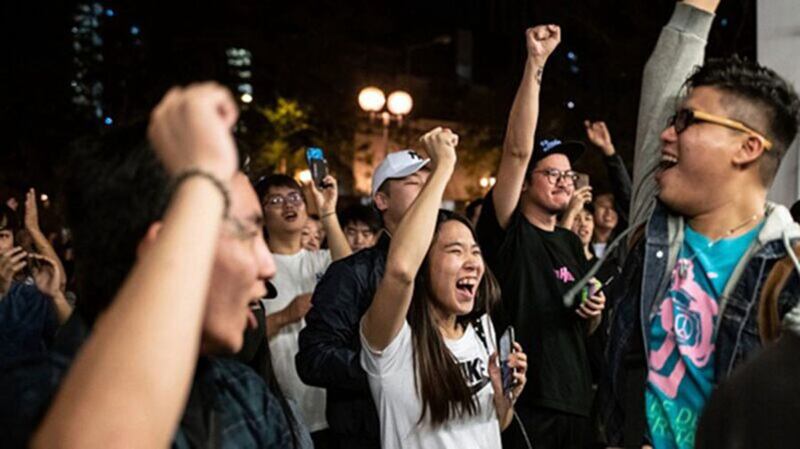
769 322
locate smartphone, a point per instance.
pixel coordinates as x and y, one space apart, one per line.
582 181
317 165
506 349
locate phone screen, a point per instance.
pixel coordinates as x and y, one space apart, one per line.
506 348
317 165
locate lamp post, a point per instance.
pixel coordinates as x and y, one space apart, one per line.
399 104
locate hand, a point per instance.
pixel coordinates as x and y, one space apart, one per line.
580 198
541 41
47 275
191 129
440 143
593 306
705 5
519 362
325 199
298 308
31 212
11 262
598 134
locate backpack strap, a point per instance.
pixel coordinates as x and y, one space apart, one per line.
477 324
769 322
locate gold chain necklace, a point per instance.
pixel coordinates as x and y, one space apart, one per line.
683 264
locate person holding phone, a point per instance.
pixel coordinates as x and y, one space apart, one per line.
428 344
538 261
32 303
298 270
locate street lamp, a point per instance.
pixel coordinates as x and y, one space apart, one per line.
399 104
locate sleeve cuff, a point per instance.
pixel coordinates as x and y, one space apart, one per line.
688 19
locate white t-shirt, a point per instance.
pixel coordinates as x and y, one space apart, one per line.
296 274
599 249
391 380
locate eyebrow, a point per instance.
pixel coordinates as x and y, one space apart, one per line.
461 244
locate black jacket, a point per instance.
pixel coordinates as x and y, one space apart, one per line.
330 343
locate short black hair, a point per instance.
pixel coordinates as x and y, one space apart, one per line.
115 189
277 180
772 97
364 214
8 219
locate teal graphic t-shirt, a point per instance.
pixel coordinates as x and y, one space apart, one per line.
681 337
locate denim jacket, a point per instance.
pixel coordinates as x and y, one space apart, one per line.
645 279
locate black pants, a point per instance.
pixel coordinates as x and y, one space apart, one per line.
547 428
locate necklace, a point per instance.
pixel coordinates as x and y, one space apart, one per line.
683 264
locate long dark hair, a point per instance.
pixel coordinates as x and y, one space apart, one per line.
440 383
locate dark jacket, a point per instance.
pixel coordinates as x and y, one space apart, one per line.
230 405
643 285
330 344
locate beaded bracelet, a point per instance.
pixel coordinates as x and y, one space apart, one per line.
196 172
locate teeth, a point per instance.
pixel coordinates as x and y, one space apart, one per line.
669 158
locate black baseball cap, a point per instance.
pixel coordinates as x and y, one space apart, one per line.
572 149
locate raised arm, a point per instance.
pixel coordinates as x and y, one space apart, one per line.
598 134
518 143
326 204
39 240
128 385
387 313
680 48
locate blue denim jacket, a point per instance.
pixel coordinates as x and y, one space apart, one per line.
644 282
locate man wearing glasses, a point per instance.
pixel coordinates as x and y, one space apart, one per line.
297 273
536 262
687 305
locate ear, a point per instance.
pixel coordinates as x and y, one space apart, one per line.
149 238
381 201
748 152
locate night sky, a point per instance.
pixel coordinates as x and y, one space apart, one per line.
321 53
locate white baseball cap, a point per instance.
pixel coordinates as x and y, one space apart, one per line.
397 165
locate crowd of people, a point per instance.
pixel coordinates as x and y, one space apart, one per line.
195 305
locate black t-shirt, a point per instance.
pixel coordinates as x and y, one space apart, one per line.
535 268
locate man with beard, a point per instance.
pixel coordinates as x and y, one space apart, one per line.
536 262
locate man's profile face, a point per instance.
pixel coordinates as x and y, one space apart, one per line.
401 193
701 178
242 264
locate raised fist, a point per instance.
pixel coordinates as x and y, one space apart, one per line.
440 143
542 40
191 128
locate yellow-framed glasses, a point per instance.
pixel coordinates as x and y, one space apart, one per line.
685 118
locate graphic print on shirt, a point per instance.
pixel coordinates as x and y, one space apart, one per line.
475 374
564 275
687 316
680 361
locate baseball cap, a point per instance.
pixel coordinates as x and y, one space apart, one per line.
397 165
546 147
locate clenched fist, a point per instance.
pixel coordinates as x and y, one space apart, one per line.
191 129
541 41
440 143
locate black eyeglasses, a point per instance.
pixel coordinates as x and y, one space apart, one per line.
685 118
555 175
